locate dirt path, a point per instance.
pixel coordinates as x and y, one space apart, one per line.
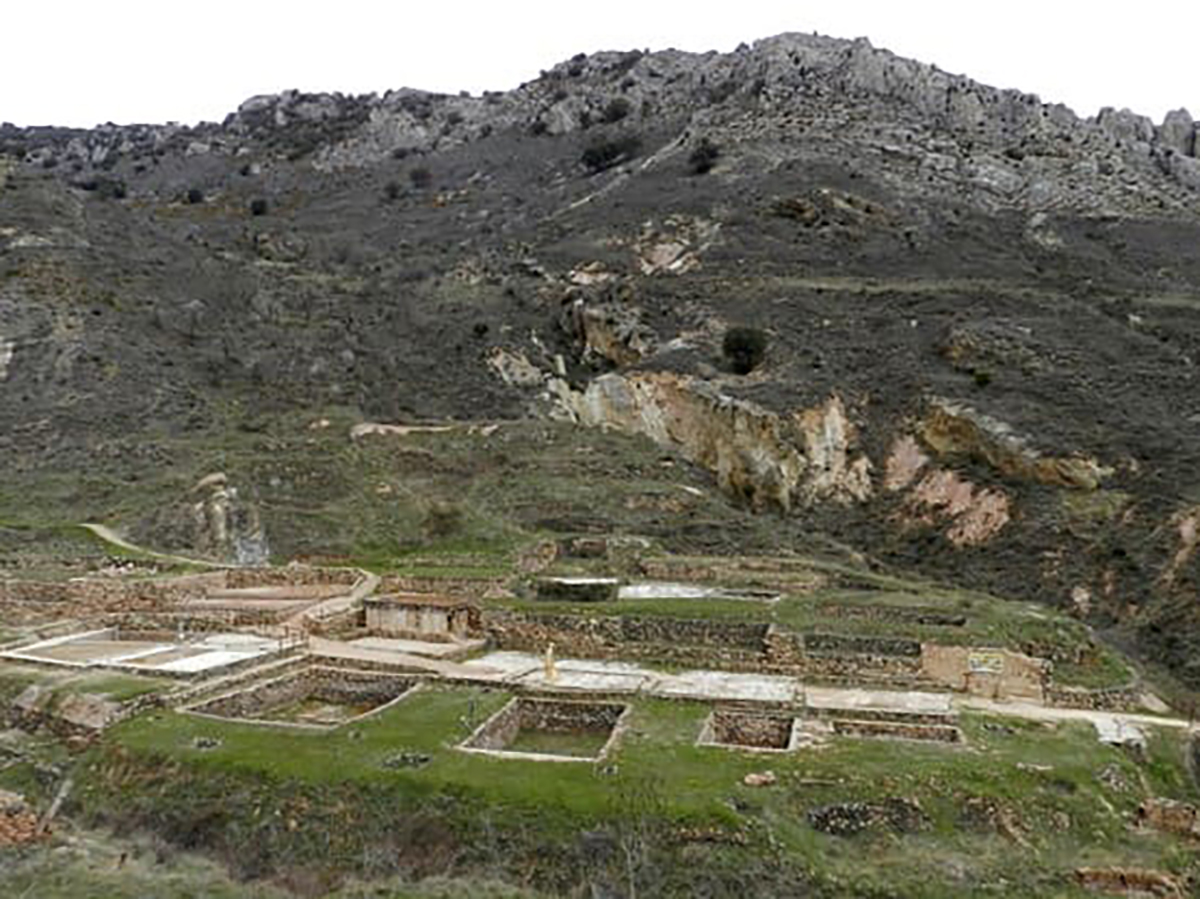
1049 713
335 604
108 535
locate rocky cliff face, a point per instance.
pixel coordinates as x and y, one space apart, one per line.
1003 140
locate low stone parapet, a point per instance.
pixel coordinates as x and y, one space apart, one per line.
1104 699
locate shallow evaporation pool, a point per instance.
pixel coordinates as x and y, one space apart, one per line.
314 697
549 730
676 590
146 654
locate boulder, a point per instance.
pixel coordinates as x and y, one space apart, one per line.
1178 132
1126 126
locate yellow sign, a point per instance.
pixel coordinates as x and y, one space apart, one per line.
985 662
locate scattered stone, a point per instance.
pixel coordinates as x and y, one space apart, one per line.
763 779
1001 729
1129 882
1152 703
1113 777
406 759
1169 816
18 823
845 819
711 835
1119 732
205 743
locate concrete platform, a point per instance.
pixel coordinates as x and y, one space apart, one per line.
506 664
527 670
581 676
902 701
726 686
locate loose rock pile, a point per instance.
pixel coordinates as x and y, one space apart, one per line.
18 823
846 819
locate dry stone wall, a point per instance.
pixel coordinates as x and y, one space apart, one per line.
738 727
552 716
90 597
731 646
721 644
1113 699
291 576
315 682
472 588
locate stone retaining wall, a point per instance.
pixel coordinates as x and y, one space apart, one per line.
856 667
841 644
1109 699
291 576
731 645
752 730
334 685
89 597
896 730
544 715
893 614
725 645
470 588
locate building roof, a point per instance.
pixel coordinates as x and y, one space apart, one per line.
436 600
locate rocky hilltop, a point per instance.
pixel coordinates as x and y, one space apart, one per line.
980 310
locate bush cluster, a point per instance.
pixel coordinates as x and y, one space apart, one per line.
745 348
617 109
703 157
607 152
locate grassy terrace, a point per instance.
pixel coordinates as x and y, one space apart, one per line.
1020 804
862 609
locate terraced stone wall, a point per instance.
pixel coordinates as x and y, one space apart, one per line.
316 682
1111 699
545 715
713 643
291 576
90 597
737 727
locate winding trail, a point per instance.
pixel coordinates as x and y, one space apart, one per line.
108 535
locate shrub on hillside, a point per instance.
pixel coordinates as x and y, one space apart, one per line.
745 348
259 206
617 109
607 152
703 157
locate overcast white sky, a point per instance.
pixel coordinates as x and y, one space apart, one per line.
83 63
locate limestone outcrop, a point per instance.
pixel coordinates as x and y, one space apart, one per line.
767 459
1002 140
954 429
226 525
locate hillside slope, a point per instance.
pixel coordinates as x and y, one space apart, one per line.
982 311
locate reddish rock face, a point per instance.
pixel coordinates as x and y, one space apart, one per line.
975 514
